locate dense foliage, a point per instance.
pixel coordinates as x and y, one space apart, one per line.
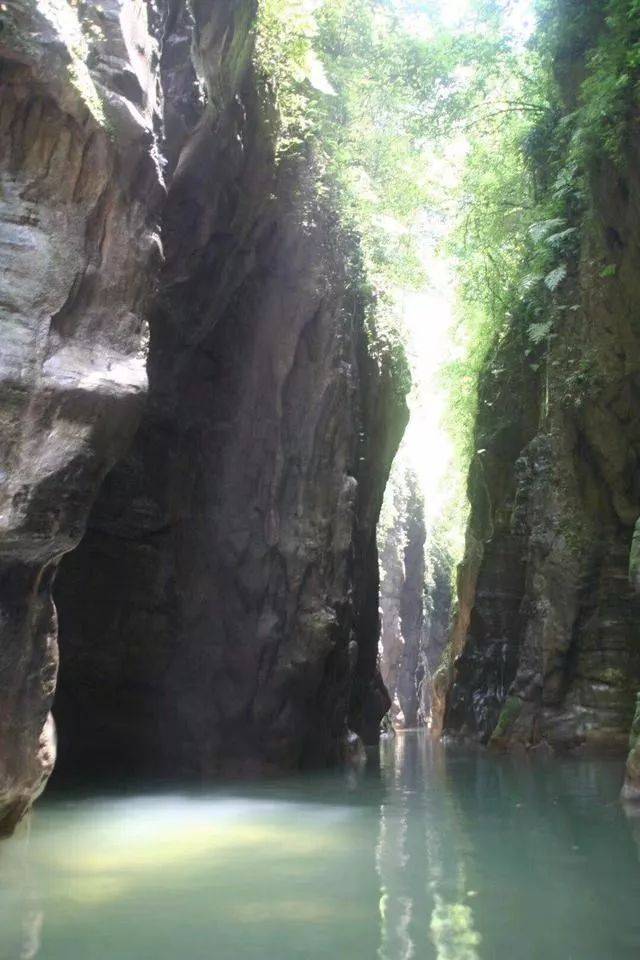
387 95
522 218
370 96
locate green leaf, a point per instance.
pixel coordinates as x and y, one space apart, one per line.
529 282
555 277
537 332
609 271
539 231
557 239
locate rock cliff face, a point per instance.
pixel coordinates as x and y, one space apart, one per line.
412 602
221 609
402 561
546 637
437 623
79 198
546 646
392 542
221 612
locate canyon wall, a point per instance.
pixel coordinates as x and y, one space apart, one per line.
415 601
220 612
546 643
79 201
438 594
392 539
412 599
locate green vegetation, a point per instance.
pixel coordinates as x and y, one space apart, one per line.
508 716
512 234
610 90
375 103
286 62
344 78
366 98
522 220
386 101
370 97
634 735
78 28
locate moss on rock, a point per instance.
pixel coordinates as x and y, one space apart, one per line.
508 716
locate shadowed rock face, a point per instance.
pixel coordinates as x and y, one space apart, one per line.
221 610
546 641
221 613
79 197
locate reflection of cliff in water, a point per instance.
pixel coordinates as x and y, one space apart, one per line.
420 859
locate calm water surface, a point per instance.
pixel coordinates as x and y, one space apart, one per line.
440 854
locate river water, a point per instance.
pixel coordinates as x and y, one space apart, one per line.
434 853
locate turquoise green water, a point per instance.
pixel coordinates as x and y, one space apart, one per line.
442 854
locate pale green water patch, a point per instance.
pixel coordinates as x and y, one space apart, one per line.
438 855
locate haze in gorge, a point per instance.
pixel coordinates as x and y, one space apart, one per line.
320 479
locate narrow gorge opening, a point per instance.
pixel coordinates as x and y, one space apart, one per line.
319 392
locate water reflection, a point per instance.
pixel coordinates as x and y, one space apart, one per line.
392 857
417 856
32 933
435 855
